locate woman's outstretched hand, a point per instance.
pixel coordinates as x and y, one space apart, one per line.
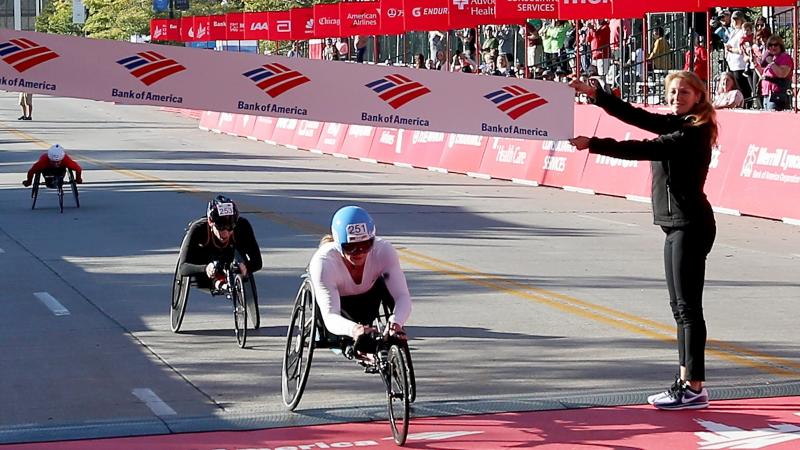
580 142
583 88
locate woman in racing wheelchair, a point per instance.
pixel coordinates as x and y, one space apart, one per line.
352 273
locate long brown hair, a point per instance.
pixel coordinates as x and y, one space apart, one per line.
703 112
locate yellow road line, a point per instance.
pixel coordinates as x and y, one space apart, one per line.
730 352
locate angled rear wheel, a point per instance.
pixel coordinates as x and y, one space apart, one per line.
397 392
180 296
299 351
239 311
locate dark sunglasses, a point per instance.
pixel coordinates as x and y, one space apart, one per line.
773 45
224 227
357 248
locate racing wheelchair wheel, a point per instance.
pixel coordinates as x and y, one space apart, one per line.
251 300
412 380
397 393
300 342
180 296
74 185
60 192
35 190
239 310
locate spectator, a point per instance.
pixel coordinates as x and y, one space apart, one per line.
553 37
490 42
26 102
441 62
419 61
762 34
776 68
504 69
599 38
636 58
728 94
361 42
505 41
519 70
723 31
534 42
468 38
436 42
659 53
330 53
293 51
697 63
734 54
489 66
343 47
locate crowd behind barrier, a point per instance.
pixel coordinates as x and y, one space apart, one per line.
755 174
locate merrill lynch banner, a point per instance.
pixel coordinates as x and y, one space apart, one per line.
324 91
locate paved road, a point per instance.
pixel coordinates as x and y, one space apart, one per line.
522 296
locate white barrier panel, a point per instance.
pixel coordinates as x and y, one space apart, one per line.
323 91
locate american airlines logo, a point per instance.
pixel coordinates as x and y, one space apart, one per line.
397 90
23 54
515 101
275 79
461 4
150 67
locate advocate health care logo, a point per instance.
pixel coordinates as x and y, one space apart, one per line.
515 101
23 54
397 91
149 68
274 80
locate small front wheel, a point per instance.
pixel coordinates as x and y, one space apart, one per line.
239 311
398 395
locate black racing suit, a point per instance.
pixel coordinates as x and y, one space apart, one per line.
680 157
200 247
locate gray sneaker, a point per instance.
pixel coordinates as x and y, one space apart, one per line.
683 398
675 385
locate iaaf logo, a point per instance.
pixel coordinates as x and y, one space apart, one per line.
584 2
275 79
23 54
515 101
397 90
461 4
150 67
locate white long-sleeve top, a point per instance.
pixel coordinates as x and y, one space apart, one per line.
332 280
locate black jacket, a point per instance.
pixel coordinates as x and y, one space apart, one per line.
679 156
198 248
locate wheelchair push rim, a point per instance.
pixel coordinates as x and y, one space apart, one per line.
299 350
180 296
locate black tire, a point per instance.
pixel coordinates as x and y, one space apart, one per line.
251 300
300 342
412 379
74 185
239 311
397 393
180 296
35 191
60 192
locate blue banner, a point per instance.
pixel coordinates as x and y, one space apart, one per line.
160 5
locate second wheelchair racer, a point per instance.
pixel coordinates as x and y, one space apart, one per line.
352 272
51 164
213 242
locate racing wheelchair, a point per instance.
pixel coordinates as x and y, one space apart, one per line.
55 180
241 291
392 358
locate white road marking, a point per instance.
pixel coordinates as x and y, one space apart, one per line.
153 402
51 303
608 220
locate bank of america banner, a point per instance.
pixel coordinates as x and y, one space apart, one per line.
325 91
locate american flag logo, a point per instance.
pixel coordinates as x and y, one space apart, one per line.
397 90
149 67
23 54
515 101
275 79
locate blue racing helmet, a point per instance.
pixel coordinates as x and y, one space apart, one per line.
352 224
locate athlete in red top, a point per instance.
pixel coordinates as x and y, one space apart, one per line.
54 163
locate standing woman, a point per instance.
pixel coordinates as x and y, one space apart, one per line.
680 156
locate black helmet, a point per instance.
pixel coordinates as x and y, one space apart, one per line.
223 212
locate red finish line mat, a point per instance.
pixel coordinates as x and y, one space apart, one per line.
770 423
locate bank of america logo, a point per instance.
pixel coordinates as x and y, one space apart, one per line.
23 54
515 101
149 67
275 79
397 90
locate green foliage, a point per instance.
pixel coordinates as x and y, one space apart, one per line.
117 19
57 18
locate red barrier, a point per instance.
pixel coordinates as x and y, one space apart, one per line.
284 131
331 138
243 125
421 148
307 134
209 120
723 154
557 163
263 128
225 124
463 153
507 158
357 141
387 145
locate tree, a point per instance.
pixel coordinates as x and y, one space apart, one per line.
117 19
57 18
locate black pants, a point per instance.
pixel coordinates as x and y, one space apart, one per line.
744 85
685 251
365 308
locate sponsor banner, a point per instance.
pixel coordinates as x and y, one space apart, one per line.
390 97
557 163
307 134
763 178
518 11
187 29
707 4
357 141
326 21
508 158
302 23
280 26
235 23
463 152
426 15
387 145
202 26
331 137
256 25
421 148
584 9
158 29
243 125
263 128
638 8
359 18
209 120
470 13
284 131
217 28
173 30
225 123
607 175
392 17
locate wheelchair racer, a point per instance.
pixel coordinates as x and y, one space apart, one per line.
51 164
213 242
352 271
